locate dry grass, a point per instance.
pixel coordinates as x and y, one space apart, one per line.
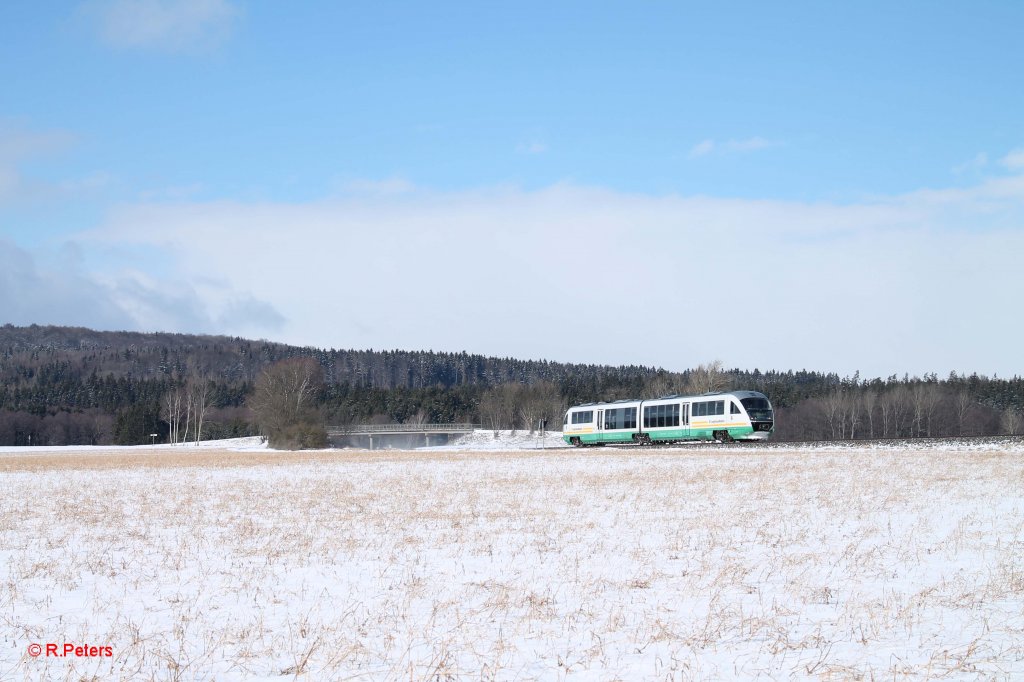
163 457
602 565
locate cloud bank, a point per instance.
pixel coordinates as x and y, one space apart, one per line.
750 144
920 282
164 25
56 287
19 144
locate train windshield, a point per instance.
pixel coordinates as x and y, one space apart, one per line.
759 409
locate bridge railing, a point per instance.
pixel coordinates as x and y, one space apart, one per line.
402 428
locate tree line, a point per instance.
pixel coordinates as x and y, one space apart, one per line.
61 385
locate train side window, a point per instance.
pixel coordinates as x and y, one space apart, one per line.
719 407
735 409
583 417
611 419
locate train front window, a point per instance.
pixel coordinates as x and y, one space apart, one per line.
759 409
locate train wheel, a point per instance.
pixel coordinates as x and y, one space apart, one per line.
576 443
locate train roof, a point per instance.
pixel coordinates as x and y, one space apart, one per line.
674 396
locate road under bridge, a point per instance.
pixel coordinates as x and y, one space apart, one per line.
400 436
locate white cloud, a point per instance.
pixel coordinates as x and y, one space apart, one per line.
702 148
167 25
171 193
750 144
976 164
586 274
88 184
386 187
32 292
55 287
19 144
1014 160
533 147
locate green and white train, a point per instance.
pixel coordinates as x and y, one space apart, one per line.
724 417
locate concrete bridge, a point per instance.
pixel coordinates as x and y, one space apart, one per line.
403 436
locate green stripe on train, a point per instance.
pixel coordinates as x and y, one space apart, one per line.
658 435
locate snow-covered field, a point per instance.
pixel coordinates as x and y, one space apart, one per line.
689 563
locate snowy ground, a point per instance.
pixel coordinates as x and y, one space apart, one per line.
234 444
686 563
484 439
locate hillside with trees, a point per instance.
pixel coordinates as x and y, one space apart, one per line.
62 385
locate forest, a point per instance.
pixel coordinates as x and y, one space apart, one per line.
64 385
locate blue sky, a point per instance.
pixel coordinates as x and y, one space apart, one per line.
853 172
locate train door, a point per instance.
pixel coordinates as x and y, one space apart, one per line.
600 425
684 419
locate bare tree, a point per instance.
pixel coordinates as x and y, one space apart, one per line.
202 398
834 407
885 407
899 405
539 402
1011 422
172 412
668 383
870 400
529 414
925 398
188 414
962 403
853 412
499 407
492 410
284 403
708 378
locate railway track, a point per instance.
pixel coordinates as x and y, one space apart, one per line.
924 442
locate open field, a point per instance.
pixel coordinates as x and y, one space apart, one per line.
597 564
